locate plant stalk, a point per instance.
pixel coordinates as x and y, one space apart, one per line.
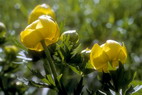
50 62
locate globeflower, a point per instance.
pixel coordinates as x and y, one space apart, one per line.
41 10
42 29
107 56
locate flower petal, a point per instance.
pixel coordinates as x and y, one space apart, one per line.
123 54
98 58
30 38
112 49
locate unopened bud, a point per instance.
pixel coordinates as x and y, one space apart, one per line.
86 53
11 52
71 35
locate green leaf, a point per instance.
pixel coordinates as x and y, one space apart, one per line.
75 69
36 73
40 85
88 65
136 82
50 79
59 77
35 84
45 81
77 50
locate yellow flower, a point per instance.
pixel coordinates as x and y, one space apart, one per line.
107 56
41 10
42 29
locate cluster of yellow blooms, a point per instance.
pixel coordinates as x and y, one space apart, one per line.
108 55
42 26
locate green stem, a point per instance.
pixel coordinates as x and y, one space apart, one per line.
51 64
53 69
45 65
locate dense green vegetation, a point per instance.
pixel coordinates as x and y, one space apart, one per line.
95 21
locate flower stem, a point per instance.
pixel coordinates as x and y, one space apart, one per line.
52 68
50 62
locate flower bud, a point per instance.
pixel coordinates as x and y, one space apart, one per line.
11 52
86 53
71 35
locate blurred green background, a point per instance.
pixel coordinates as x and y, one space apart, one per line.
95 20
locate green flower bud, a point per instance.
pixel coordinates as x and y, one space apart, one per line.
86 53
71 35
11 52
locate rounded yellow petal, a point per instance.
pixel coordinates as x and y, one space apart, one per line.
41 10
49 27
30 38
52 33
115 51
99 59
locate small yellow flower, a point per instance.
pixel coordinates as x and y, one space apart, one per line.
109 53
42 29
41 10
